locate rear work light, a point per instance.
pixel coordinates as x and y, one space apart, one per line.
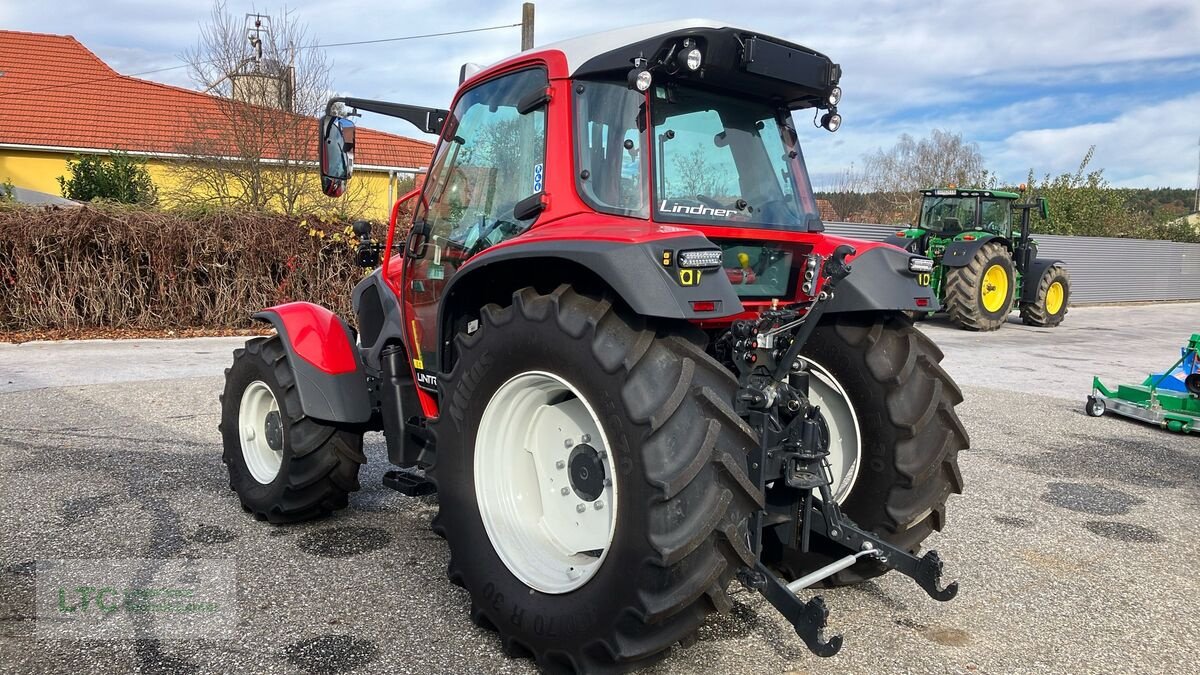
920 264
705 257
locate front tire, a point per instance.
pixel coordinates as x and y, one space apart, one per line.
1049 306
979 295
680 492
910 437
285 466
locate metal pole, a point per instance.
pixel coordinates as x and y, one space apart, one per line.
526 26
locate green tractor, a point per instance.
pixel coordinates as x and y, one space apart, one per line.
984 261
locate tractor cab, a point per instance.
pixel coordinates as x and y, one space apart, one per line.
951 211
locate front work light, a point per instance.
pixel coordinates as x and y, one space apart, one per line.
705 257
831 121
690 58
639 78
835 96
920 264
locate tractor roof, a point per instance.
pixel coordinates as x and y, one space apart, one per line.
969 192
737 59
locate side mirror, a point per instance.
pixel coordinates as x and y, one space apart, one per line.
336 154
1044 208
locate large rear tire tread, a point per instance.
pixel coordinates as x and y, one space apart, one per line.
320 462
911 435
685 497
1036 313
964 284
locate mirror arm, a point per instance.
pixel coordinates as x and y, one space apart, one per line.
429 120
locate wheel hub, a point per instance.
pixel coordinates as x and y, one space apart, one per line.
586 473
273 427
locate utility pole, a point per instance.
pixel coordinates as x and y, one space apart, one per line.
1198 188
526 26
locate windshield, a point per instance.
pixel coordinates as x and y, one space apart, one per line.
717 160
948 214
723 160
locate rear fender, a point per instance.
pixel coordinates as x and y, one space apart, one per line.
325 361
881 281
959 253
644 275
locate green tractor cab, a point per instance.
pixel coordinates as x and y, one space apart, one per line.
985 262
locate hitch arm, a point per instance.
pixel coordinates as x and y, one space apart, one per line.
808 618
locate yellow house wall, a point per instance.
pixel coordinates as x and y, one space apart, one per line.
39 170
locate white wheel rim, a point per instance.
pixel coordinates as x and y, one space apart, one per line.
538 437
845 434
263 461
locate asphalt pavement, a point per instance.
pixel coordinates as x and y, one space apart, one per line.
1075 544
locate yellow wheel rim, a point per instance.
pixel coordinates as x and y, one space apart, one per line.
995 288
1054 297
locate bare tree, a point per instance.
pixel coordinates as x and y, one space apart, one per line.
896 175
270 79
847 193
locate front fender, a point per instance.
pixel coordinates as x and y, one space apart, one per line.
328 369
1032 277
880 281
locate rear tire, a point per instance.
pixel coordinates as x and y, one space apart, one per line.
682 493
315 466
979 295
1049 306
911 437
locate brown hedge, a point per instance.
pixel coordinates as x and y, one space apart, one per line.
112 267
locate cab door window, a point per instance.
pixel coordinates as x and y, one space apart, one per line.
491 159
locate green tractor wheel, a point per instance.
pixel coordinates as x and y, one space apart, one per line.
1049 306
979 295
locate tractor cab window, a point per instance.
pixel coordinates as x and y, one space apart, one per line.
491 158
948 215
721 160
996 216
609 139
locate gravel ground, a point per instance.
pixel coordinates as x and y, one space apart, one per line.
1075 543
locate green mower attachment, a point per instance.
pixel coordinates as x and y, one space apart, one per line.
1170 400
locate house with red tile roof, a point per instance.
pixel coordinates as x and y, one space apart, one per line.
59 100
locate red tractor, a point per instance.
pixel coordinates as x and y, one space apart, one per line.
617 344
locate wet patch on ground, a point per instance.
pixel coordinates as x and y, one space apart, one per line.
1095 499
942 635
213 534
76 509
1111 529
1129 461
331 653
1013 521
343 542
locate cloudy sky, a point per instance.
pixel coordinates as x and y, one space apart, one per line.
1034 82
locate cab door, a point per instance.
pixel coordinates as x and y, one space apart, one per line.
490 159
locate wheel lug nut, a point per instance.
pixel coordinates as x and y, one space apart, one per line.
580 508
587 438
599 504
568 443
560 464
249 433
601 454
565 491
607 482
